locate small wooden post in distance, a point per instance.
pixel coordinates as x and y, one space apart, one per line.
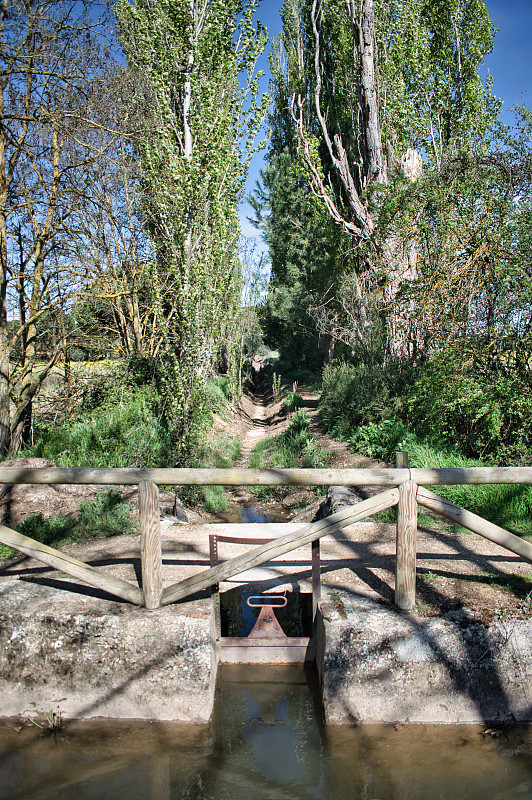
150 544
405 561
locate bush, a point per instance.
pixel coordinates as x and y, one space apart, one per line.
481 413
104 515
380 440
292 402
355 395
116 428
505 505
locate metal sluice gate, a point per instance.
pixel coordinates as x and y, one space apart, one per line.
283 632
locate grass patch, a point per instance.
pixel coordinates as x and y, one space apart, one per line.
519 585
507 505
217 450
295 447
102 516
292 402
122 430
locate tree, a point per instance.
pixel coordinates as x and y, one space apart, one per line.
52 126
374 85
112 248
185 58
303 253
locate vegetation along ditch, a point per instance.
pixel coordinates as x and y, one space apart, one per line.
382 304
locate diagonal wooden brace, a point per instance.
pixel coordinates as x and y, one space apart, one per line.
474 523
259 555
73 567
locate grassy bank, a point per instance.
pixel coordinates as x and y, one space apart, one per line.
104 515
121 422
295 447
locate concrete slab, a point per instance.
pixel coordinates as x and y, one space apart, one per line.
110 659
380 665
89 657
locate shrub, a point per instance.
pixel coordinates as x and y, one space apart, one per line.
111 431
292 402
505 505
481 413
104 515
380 439
356 395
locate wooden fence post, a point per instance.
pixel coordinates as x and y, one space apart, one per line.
150 544
405 561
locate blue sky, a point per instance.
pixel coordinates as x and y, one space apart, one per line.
510 64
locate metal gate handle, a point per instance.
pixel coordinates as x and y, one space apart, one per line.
267 597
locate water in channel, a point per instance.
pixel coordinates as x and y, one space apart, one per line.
266 742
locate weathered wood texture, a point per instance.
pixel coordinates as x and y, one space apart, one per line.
474 523
150 544
205 477
267 477
77 569
405 561
406 535
284 544
471 475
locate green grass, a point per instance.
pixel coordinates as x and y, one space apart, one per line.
519 585
216 450
509 506
295 447
292 402
124 431
104 515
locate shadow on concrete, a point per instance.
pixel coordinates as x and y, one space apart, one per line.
479 660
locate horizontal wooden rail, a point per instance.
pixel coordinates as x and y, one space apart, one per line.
471 475
266 477
474 523
206 477
278 547
77 569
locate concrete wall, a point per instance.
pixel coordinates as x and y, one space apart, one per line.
380 665
90 657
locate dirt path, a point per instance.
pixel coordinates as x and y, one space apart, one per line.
260 419
455 571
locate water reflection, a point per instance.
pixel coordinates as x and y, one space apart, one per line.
267 735
238 618
266 742
254 514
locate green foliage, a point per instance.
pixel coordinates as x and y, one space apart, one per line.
506 505
119 426
292 402
355 395
194 136
303 252
212 450
295 447
218 392
104 515
276 386
482 413
214 499
379 439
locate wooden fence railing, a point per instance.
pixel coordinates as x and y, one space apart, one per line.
407 493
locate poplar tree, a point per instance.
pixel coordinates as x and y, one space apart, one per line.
381 92
194 139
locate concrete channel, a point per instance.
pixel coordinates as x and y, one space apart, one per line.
77 653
